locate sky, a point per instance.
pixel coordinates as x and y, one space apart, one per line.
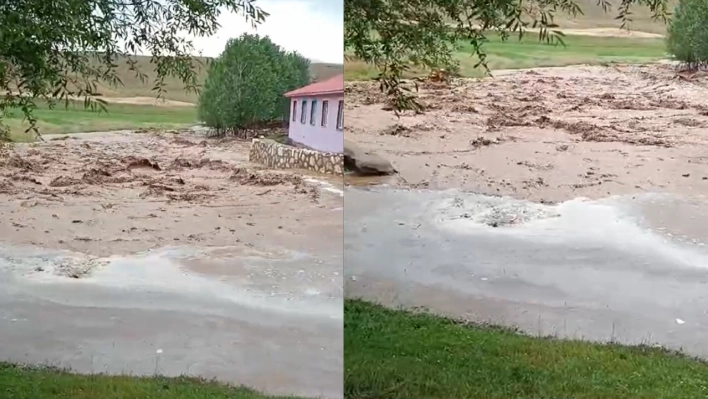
313 28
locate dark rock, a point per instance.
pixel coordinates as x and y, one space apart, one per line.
364 162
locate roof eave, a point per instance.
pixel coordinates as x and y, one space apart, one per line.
316 93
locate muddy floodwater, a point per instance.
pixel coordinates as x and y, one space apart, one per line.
170 253
566 201
631 269
546 134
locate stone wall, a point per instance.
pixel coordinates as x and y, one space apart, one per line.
280 156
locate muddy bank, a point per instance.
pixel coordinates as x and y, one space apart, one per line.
547 134
111 194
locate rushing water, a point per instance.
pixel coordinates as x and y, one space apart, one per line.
631 269
271 321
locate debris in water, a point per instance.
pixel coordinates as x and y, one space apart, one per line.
679 321
496 212
136 163
77 267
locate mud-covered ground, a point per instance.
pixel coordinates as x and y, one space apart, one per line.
547 134
122 193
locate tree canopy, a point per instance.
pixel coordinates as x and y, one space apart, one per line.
62 48
395 35
687 36
246 83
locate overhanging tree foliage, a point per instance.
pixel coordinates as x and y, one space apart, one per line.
395 35
62 48
246 83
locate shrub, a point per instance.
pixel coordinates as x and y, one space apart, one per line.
245 85
687 36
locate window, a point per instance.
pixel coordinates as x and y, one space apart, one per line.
325 110
294 110
313 112
340 115
303 112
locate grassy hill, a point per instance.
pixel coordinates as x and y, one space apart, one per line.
591 38
594 17
133 87
131 105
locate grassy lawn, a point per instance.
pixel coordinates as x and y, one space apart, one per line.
77 119
46 383
401 355
530 53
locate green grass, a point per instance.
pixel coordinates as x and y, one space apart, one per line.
76 118
18 382
530 53
402 355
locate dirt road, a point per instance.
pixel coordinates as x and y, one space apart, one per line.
547 134
120 251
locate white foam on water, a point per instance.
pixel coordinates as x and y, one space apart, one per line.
581 222
152 271
159 271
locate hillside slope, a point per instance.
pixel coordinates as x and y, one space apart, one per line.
134 87
594 17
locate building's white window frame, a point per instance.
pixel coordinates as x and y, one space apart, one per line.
303 112
340 115
294 111
313 112
325 111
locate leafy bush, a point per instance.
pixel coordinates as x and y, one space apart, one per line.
245 85
687 38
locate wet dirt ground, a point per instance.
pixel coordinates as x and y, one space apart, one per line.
116 245
564 201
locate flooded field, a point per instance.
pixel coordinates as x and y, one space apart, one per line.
563 201
121 250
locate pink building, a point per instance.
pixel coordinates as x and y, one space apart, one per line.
317 115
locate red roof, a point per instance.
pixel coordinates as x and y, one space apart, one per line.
333 85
